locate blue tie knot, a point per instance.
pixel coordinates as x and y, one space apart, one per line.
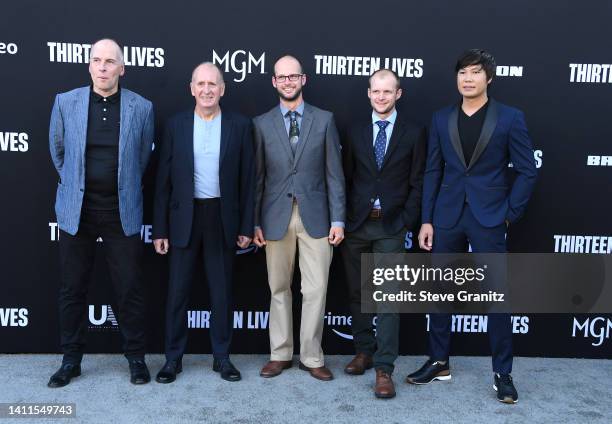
382 124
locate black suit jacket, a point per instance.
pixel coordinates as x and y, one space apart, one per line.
174 188
398 184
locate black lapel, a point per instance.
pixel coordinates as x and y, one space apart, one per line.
488 127
396 135
368 145
188 140
453 132
226 130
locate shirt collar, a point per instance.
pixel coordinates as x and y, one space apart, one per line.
391 118
95 97
299 109
214 120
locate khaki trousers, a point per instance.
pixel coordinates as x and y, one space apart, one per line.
315 257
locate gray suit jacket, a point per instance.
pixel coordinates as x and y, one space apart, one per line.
314 176
67 144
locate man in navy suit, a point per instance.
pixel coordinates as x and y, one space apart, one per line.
204 205
468 197
100 140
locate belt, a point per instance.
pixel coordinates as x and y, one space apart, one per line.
375 214
209 200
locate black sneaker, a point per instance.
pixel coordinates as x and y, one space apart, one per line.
506 392
430 371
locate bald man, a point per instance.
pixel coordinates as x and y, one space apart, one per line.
204 200
100 140
384 161
299 206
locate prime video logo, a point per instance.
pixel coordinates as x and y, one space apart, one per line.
340 325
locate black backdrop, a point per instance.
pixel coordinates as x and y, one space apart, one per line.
534 44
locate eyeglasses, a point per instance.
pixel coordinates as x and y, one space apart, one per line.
292 77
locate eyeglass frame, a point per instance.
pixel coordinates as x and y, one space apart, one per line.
283 78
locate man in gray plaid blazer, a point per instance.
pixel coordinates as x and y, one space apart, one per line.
100 139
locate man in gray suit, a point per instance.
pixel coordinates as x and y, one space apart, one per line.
299 203
100 139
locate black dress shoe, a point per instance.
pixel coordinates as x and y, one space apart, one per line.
169 371
503 385
227 370
139 373
430 371
62 377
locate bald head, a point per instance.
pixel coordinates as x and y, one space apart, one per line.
287 65
207 88
106 66
208 66
384 74
107 45
384 92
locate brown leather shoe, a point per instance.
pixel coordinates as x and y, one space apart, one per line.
274 368
384 388
320 373
359 364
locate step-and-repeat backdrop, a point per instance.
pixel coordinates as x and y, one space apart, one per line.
554 63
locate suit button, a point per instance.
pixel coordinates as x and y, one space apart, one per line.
81 190
289 195
295 171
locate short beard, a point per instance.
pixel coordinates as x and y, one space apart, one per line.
292 98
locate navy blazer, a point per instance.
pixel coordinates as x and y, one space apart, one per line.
68 142
174 187
399 182
484 182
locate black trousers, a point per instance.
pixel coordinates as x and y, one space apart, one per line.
207 245
499 327
124 258
371 238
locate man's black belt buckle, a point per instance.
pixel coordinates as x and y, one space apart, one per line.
204 201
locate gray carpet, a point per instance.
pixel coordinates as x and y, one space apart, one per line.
550 391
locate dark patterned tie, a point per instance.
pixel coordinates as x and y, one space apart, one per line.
380 143
294 130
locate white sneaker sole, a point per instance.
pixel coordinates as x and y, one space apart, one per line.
440 378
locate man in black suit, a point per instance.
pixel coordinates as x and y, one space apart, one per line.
204 204
384 160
